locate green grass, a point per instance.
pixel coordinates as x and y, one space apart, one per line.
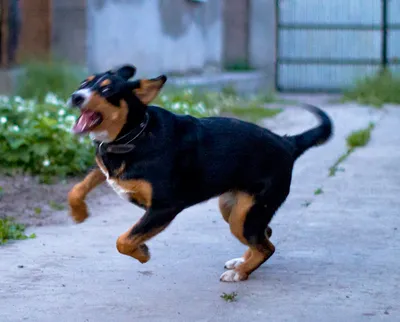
376 90
229 297
360 138
318 191
240 65
56 206
253 114
10 230
335 167
200 103
356 139
40 78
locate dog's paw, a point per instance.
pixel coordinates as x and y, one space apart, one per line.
232 276
79 213
233 263
143 253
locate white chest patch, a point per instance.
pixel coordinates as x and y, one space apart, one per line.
124 194
101 136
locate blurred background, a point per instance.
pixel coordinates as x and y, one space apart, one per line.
290 45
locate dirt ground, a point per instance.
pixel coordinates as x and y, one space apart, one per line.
34 204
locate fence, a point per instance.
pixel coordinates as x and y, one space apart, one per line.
326 45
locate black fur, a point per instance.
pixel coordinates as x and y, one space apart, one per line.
189 160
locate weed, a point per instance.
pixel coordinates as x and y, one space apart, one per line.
360 138
10 230
56 206
355 140
376 90
240 65
229 297
37 210
335 167
318 191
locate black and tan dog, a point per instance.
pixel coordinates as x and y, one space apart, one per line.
165 163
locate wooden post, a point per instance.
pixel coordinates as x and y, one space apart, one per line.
4 32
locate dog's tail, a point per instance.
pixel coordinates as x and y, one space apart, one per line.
316 136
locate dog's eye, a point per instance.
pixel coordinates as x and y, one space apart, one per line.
105 90
84 84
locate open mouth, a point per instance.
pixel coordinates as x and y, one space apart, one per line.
87 122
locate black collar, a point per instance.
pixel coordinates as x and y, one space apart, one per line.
124 143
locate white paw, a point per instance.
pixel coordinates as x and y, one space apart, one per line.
231 276
233 263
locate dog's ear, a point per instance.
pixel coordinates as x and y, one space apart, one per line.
147 89
126 71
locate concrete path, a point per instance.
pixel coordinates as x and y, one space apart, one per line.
337 259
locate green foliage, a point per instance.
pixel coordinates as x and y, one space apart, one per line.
318 191
240 65
229 297
378 89
56 206
10 230
202 104
35 138
359 138
39 78
356 139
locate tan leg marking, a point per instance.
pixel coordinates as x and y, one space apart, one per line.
256 254
77 195
226 202
133 244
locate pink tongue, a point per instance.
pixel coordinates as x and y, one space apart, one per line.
87 120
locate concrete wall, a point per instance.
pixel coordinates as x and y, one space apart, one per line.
262 36
158 36
69 30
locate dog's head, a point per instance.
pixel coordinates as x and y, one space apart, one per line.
108 101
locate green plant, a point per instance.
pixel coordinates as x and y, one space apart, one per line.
197 103
377 89
41 77
253 114
10 230
318 191
35 138
239 65
359 138
355 140
229 297
56 206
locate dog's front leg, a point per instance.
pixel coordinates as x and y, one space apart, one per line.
154 221
77 195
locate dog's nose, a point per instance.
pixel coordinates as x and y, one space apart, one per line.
77 99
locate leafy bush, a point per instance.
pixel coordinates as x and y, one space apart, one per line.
35 138
10 230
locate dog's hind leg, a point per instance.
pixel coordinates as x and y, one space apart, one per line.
77 195
249 223
226 204
131 243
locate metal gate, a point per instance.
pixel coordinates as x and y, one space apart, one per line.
326 45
